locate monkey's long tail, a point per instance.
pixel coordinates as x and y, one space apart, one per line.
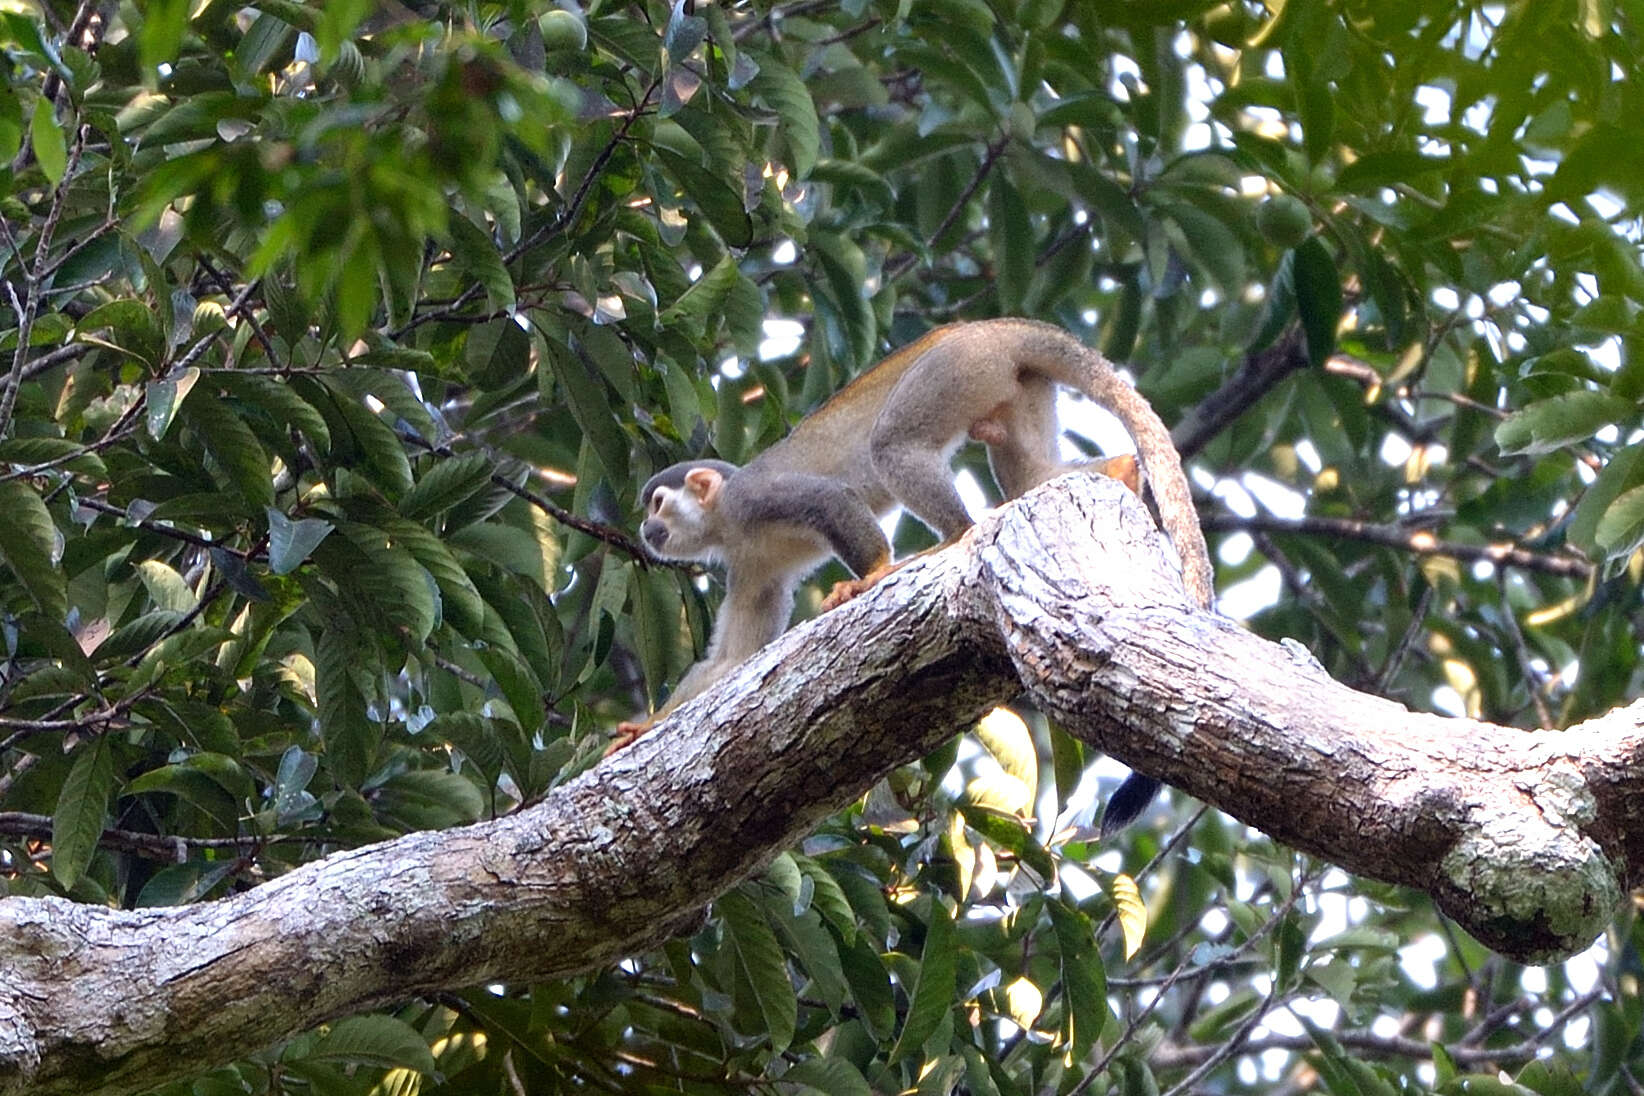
1181 520
1163 466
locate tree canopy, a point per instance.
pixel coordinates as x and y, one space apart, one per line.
339 338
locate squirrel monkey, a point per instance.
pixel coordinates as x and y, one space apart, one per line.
885 440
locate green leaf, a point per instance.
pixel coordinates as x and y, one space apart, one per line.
497 353
11 124
272 398
484 742
132 326
166 588
828 1077
814 948
1550 1077
1011 232
291 802
933 992
785 93
1318 298
1008 832
721 205
161 33
654 595
384 454
82 805
760 962
31 545
234 447
165 396
136 636
518 684
427 799
190 782
828 898
1621 530
49 148
1551 423
386 578
1084 978
402 406
338 20
461 601
349 735
55 638
870 985
377 1041
477 256
290 542
585 396
446 483
705 297
38 451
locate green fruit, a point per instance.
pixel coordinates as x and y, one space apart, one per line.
562 30
1283 221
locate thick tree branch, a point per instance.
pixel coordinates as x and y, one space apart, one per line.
1528 839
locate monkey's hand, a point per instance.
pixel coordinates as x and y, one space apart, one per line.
627 731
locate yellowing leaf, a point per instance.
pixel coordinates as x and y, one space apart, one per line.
1132 911
1003 734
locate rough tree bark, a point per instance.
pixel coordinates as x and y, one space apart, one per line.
1527 839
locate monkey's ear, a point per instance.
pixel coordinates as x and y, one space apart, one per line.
704 484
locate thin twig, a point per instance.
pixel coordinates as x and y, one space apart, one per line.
1229 1048
898 267
29 307
1417 541
150 846
1534 679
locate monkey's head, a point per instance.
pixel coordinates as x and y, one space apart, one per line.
681 510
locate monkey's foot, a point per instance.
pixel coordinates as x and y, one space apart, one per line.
856 587
626 732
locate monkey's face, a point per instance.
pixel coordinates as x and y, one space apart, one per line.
681 522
